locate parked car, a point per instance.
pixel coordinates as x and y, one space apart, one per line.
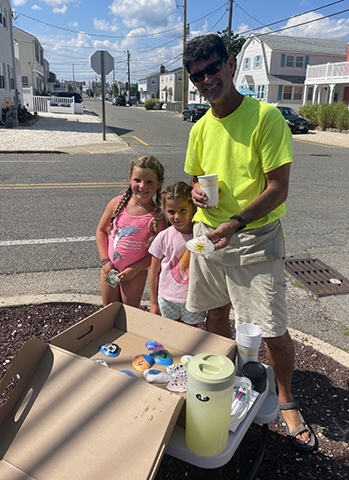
194 111
296 122
77 96
119 101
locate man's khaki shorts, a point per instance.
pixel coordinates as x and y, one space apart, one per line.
249 273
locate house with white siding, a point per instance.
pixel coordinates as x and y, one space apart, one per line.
148 86
275 66
171 85
34 67
7 56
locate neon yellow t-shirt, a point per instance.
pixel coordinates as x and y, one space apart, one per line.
241 148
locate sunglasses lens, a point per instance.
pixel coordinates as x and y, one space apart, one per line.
210 70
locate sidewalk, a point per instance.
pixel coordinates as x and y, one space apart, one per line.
55 133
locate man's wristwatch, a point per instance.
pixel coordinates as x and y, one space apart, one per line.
241 222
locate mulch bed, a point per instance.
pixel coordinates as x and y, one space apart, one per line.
320 383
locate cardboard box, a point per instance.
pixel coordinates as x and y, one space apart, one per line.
67 417
130 328
70 418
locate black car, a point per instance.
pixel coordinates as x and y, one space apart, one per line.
194 111
296 122
77 97
120 101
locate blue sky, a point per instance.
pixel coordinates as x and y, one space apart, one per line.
70 31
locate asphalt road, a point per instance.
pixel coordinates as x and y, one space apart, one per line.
47 235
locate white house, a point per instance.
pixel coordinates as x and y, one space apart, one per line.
148 86
171 85
7 55
34 67
274 66
328 83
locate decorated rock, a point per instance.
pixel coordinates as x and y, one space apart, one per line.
142 362
162 357
153 345
154 375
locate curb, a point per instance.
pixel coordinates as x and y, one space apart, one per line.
335 353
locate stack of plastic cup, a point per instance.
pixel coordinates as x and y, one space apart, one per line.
248 339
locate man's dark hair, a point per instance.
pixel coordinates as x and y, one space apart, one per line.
203 47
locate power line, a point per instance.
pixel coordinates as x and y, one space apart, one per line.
284 19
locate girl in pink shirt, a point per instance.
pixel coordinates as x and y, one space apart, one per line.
126 229
169 272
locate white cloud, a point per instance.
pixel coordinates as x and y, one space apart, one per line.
73 24
36 7
137 13
19 3
104 25
332 28
60 10
57 3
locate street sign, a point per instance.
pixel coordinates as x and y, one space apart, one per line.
99 58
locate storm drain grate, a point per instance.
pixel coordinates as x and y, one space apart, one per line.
317 276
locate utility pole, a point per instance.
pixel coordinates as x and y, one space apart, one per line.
184 75
129 77
230 22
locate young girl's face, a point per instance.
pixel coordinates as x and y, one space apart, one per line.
180 213
144 184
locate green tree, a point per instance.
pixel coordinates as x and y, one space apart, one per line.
236 42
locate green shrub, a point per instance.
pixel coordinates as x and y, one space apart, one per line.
341 114
326 116
150 104
311 112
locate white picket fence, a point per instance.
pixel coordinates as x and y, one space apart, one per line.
34 103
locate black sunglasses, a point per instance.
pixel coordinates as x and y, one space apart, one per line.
212 69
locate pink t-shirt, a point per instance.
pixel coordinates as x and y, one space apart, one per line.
127 242
169 246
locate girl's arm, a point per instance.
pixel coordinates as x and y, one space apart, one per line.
102 233
155 270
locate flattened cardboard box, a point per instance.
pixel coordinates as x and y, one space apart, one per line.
70 418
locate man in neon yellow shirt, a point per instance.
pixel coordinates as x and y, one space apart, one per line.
248 144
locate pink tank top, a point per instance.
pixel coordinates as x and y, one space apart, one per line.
128 240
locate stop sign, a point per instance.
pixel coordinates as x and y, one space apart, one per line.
96 62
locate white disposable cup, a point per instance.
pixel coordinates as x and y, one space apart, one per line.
248 335
209 184
248 340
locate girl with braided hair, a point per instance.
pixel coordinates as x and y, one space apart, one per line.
169 271
125 231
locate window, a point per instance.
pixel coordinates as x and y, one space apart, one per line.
287 93
310 93
2 75
153 81
258 61
246 64
25 81
260 92
289 60
3 16
192 96
12 78
179 77
299 62
298 93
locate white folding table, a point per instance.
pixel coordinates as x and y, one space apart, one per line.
263 411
